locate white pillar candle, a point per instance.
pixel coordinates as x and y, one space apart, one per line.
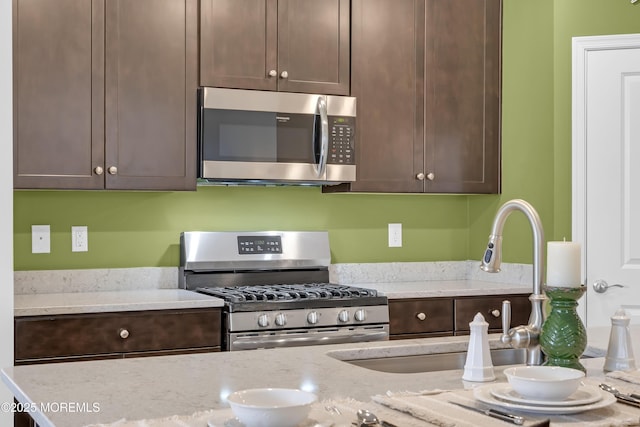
563 264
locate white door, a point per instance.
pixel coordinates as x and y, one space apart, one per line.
606 172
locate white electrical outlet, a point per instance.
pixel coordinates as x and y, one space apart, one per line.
40 239
395 235
79 239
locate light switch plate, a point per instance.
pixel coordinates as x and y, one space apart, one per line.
79 239
395 235
40 239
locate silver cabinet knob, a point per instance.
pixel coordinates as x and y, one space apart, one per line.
420 176
284 75
421 316
430 176
124 334
113 170
495 312
601 286
273 73
360 315
98 170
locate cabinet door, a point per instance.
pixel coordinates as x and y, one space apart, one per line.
420 316
463 63
104 335
150 94
388 82
313 46
58 93
238 43
491 309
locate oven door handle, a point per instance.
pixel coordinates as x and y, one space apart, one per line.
321 138
288 341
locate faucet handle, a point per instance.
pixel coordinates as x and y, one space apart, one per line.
506 321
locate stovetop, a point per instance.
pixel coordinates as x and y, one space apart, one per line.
293 296
286 292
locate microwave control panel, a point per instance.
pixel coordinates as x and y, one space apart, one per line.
342 140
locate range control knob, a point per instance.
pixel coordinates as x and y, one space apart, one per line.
343 316
263 320
312 318
281 319
360 315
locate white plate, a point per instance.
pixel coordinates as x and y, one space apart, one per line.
583 396
483 394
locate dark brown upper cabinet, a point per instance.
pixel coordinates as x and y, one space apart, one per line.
426 74
105 94
277 45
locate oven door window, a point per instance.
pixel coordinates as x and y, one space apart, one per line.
254 136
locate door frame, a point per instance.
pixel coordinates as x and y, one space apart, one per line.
581 46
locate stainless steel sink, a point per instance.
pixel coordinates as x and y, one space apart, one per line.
437 361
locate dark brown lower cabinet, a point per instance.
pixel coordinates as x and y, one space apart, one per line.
22 419
420 318
491 309
437 317
115 335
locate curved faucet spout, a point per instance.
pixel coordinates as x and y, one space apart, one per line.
493 254
520 336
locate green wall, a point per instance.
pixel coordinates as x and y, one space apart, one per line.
131 229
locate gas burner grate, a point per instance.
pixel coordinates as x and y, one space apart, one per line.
283 292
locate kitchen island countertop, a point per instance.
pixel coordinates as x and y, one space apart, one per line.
154 387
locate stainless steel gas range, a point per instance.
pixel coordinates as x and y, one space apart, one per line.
276 290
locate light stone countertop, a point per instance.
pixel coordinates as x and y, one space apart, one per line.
110 301
444 288
38 304
49 292
154 387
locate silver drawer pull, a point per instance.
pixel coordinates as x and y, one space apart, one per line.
421 316
495 312
124 334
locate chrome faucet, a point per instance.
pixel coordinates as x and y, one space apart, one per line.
524 336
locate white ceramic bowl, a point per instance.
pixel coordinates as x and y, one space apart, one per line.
271 407
544 382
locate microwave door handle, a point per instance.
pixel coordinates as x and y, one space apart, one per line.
324 137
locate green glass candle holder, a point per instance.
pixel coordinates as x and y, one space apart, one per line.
563 337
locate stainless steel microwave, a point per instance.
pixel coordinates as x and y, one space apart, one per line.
250 136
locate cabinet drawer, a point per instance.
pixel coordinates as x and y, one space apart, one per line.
414 316
41 337
491 309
